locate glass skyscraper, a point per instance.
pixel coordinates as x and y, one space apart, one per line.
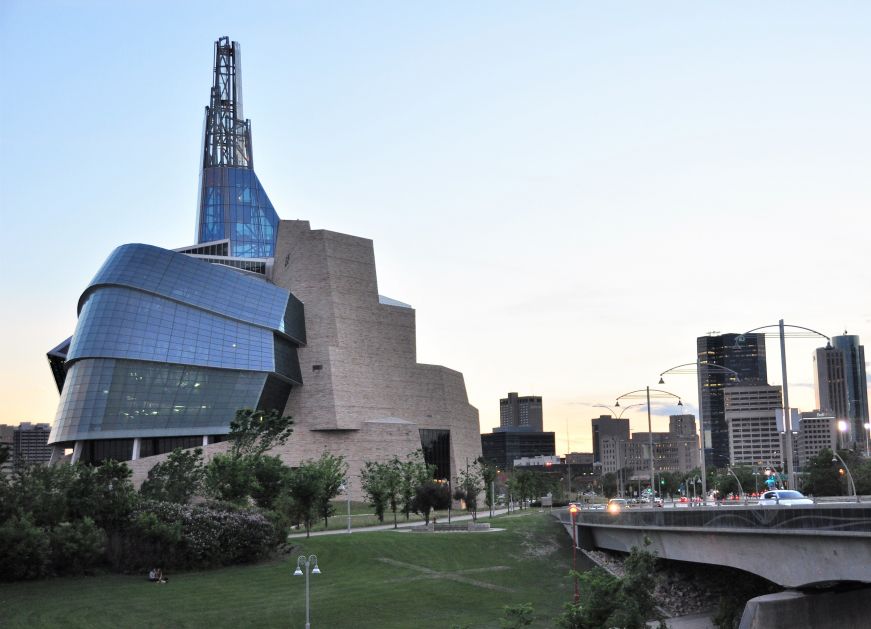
742 353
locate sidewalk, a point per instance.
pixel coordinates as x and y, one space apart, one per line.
482 516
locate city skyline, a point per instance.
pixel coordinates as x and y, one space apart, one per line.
567 177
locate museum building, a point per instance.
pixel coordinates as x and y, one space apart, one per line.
259 313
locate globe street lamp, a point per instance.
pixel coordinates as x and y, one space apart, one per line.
787 420
573 510
657 393
697 367
303 563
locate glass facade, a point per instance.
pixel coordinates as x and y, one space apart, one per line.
436 446
234 206
170 346
743 353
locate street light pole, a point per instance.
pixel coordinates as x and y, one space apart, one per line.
573 510
787 420
647 390
301 563
650 439
698 365
849 476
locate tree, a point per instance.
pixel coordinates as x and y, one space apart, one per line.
255 432
332 471
468 488
431 496
414 473
489 473
270 474
821 478
608 601
178 479
230 478
304 488
382 483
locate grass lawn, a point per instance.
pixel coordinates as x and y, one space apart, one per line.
379 579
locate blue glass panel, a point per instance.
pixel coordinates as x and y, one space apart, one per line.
112 399
188 280
235 206
118 322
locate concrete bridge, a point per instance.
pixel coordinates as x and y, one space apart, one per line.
791 546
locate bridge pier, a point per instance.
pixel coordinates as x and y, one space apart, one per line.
824 610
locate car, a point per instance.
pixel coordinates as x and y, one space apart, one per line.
784 497
684 499
616 505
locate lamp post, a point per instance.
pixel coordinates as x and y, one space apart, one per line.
740 488
623 409
346 487
697 367
837 457
657 393
787 420
868 440
303 563
573 510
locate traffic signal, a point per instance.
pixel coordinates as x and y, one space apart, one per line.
662 481
841 471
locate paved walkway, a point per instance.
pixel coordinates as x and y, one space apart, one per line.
483 516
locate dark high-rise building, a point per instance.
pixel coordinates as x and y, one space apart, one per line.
520 413
841 385
741 353
502 448
607 426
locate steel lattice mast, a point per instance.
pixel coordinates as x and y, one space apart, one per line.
227 137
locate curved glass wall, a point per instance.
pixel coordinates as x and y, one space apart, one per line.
113 399
234 205
208 286
170 346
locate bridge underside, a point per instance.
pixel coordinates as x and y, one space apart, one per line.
790 557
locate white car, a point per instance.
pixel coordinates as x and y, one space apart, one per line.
785 497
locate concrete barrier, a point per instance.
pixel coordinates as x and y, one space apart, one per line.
809 610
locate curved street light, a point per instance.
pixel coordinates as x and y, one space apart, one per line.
623 409
847 469
657 393
696 367
787 420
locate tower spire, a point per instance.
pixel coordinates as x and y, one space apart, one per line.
227 139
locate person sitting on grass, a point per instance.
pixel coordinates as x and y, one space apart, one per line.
152 575
160 577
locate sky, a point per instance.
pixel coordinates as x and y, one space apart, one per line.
569 193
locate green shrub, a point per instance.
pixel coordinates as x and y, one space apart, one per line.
25 551
76 547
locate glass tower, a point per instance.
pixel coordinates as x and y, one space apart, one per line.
233 205
743 353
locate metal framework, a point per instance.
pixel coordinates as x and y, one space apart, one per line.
227 137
